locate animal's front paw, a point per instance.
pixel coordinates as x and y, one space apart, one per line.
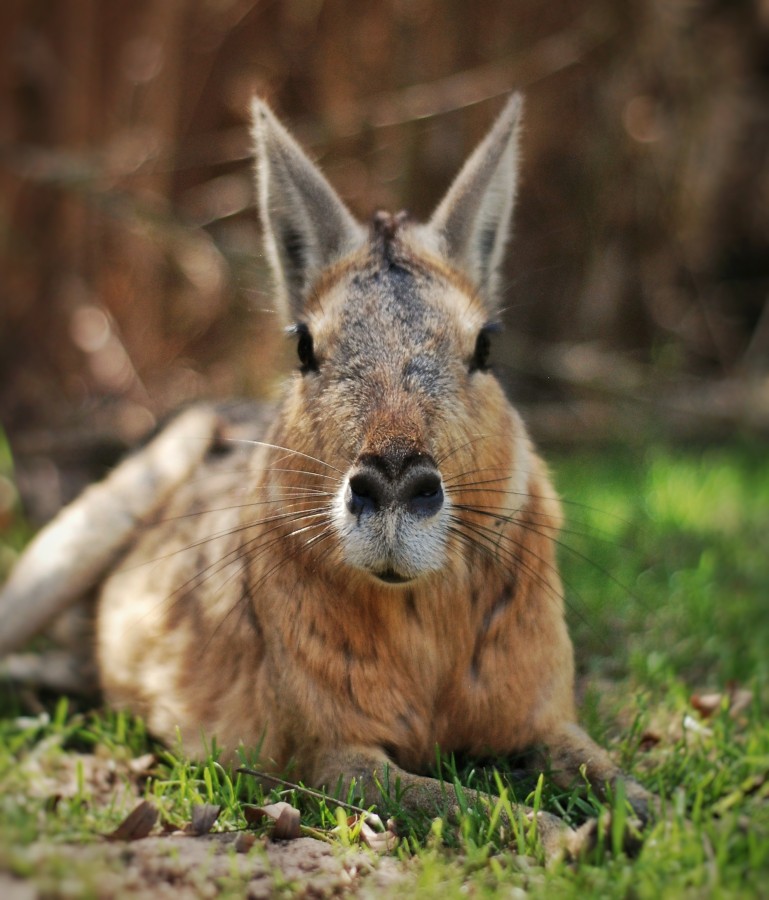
601 832
558 839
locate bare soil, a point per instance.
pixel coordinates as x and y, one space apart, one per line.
184 868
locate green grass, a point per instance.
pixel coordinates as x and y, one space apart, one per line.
666 561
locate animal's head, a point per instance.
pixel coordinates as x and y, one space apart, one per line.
419 450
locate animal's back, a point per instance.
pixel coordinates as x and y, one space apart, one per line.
169 635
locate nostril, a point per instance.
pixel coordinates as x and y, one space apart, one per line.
418 490
364 493
422 492
426 483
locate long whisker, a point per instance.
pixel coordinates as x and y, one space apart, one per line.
517 563
531 528
307 494
488 540
480 437
245 597
288 558
480 486
242 550
285 449
245 526
543 519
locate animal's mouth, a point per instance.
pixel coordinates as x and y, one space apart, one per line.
390 576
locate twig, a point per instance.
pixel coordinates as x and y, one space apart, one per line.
319 795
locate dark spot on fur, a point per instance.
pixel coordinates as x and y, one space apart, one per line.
486 243
422 372
504 599
475 660
495 610
384 227
253 622
293 248
411 606
220 447
391 750
404 721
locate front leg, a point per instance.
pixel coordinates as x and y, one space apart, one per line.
377 777
569 748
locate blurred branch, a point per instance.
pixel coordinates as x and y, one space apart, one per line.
125 192
547 57
617 398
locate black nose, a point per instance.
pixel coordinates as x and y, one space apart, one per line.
416 487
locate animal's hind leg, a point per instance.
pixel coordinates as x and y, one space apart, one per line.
69 666
74 551
59 670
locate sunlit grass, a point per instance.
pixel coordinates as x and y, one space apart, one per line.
681 580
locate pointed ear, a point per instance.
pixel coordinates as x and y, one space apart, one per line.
306 226
472 223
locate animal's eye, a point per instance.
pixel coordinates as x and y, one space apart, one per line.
480 357
306 350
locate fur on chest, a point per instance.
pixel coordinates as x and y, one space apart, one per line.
414 669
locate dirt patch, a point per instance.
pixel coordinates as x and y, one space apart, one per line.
179 867
173 865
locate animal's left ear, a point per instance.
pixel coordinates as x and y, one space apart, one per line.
306 225
472 223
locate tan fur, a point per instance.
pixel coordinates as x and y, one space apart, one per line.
256 610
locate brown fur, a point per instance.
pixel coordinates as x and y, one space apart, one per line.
257 609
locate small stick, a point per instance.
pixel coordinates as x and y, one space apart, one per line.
304 790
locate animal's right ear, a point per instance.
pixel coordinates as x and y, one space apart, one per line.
306 225
472 223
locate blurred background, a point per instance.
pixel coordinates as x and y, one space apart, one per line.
132 276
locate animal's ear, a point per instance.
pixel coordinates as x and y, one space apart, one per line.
306 225
472 223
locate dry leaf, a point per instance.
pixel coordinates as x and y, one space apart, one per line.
286 818
738 699
375 822
379 841
707 704
254 816
694 727
136 825
203 817
244 842
649 739
287 827
142 765
372 832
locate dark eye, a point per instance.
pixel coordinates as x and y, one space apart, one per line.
480 358
305 350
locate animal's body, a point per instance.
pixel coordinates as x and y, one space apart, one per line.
374 574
